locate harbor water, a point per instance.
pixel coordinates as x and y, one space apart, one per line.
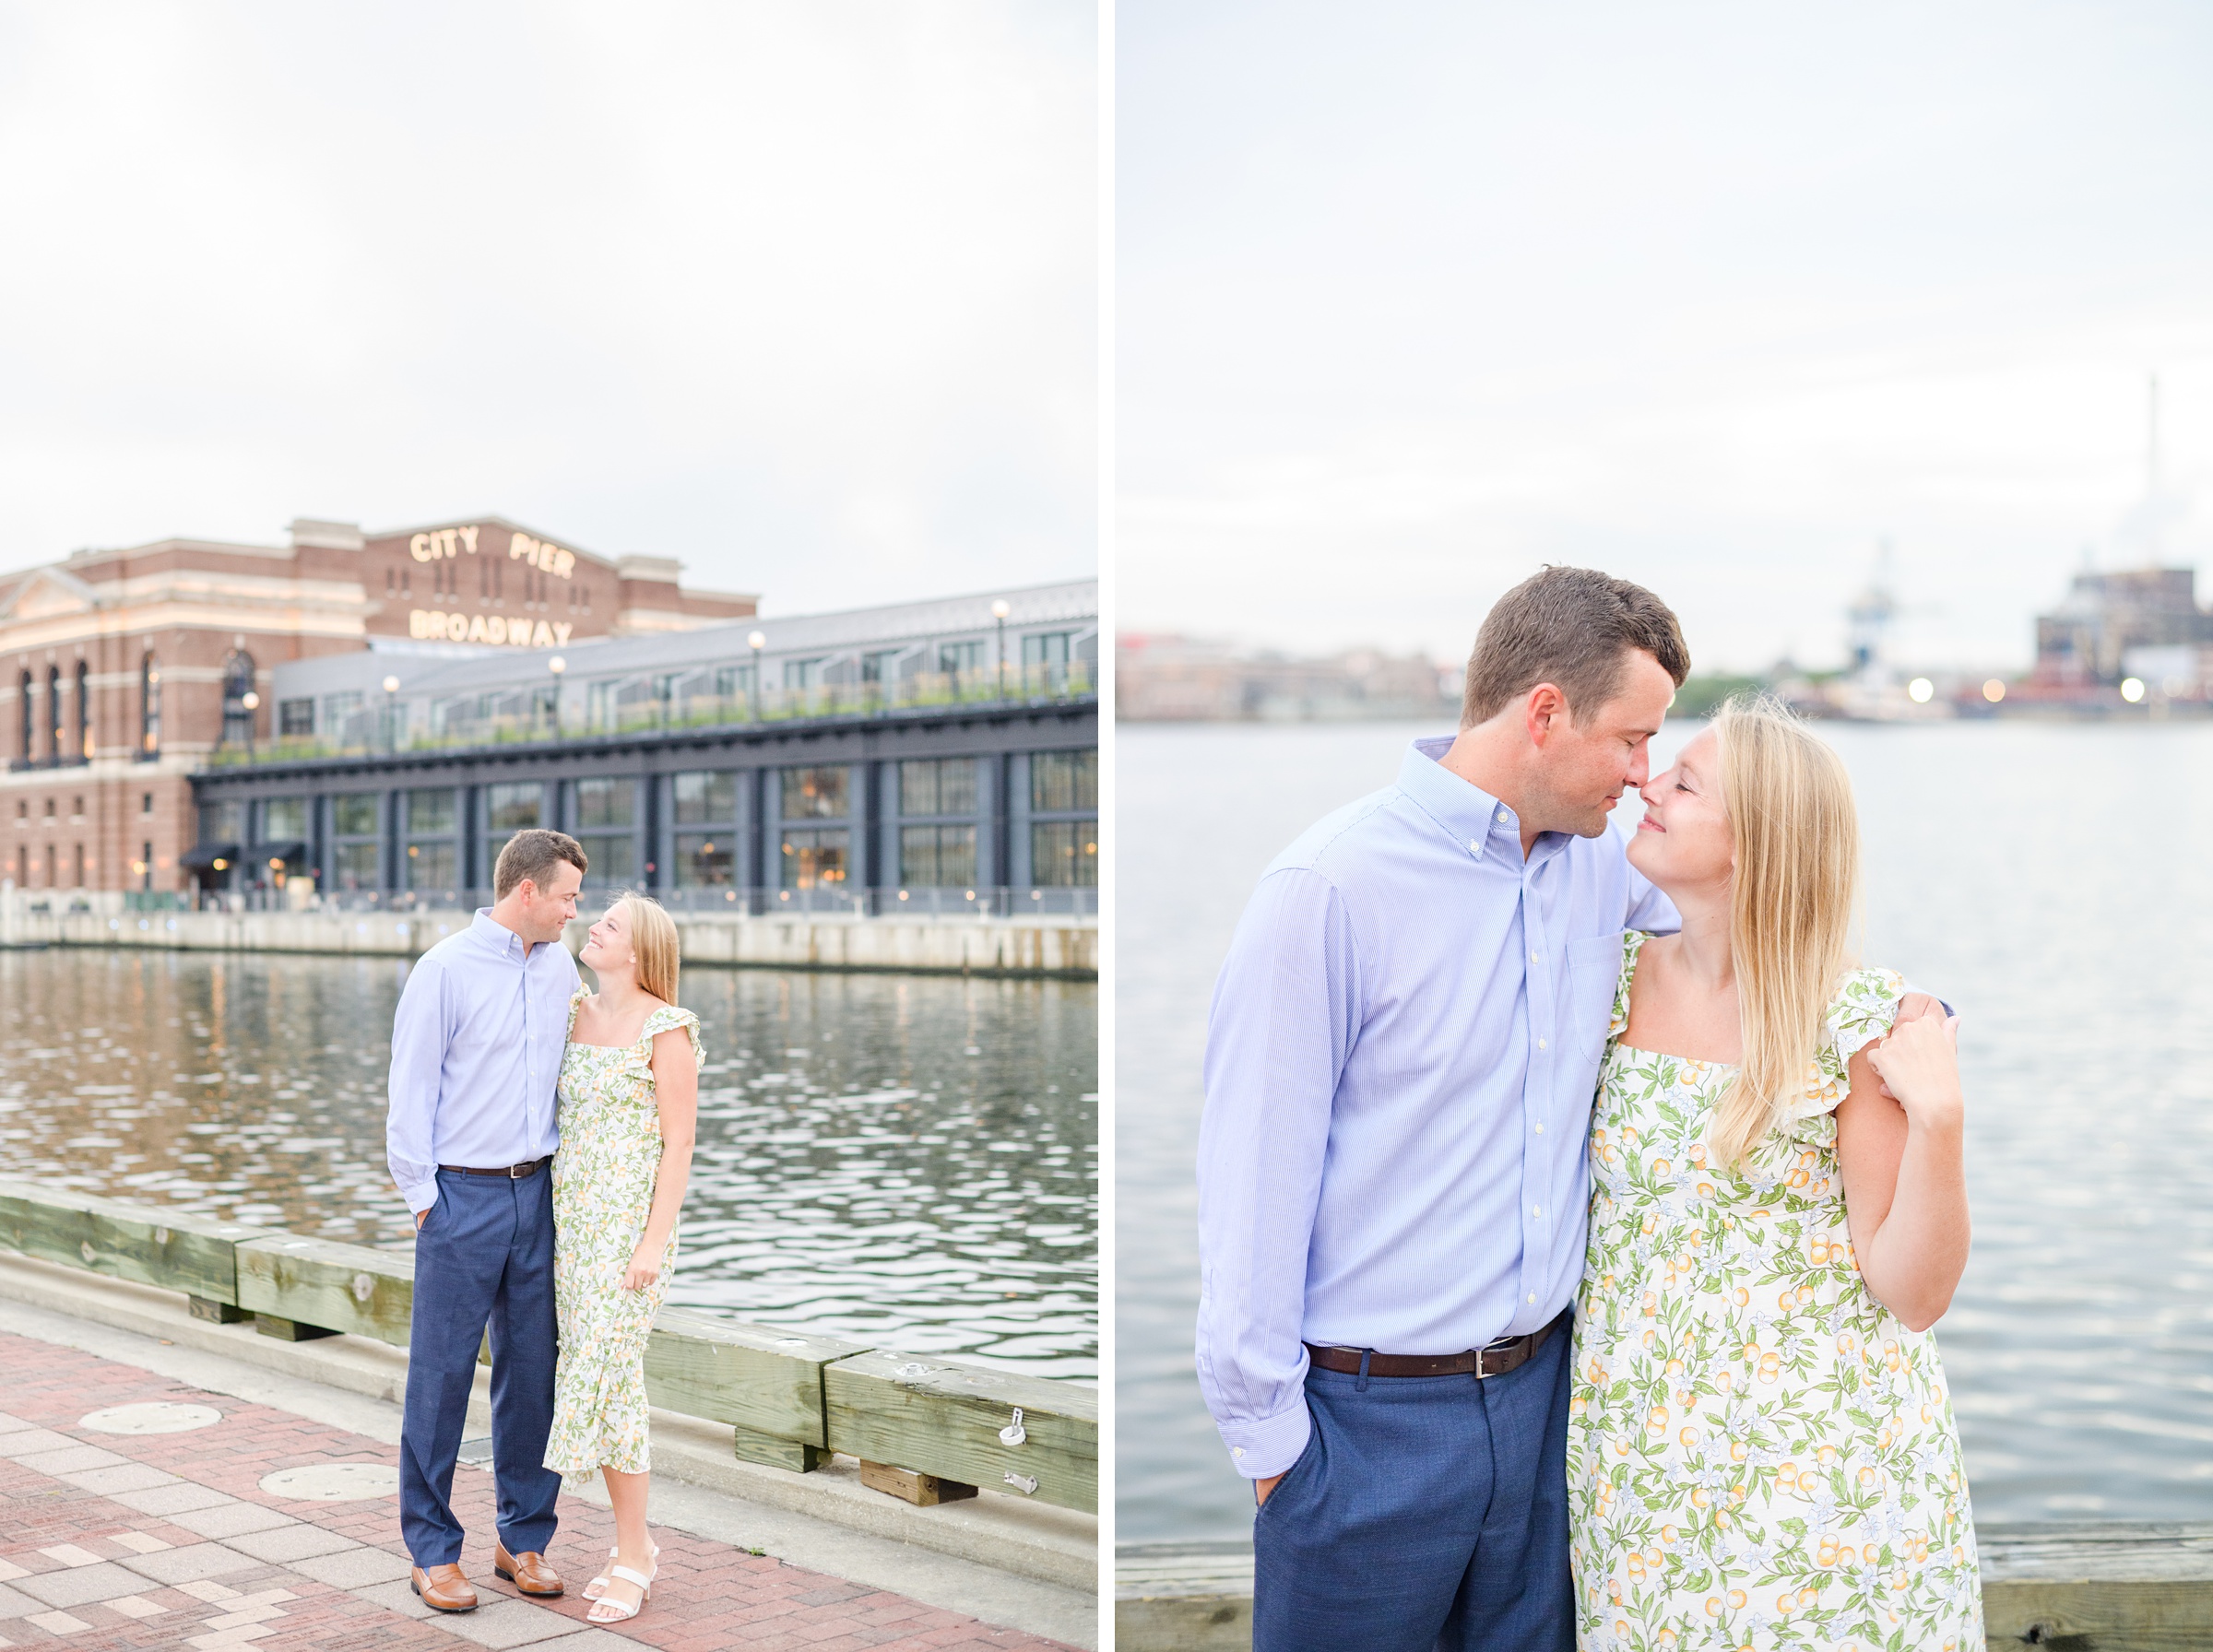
2052 880
905 1160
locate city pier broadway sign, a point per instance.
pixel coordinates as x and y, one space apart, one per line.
436 625
437 544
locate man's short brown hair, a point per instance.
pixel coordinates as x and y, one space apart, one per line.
532 855
1572 628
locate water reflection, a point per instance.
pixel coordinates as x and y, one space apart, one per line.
908 1160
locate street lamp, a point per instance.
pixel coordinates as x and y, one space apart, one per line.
999 610
391 686
757 641
557 664
252 701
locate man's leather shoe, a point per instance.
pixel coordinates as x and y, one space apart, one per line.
444 1588
527 1572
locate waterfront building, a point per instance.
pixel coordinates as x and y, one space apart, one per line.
928 756
2144 623
134 680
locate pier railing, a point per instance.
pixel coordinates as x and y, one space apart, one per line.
925 1428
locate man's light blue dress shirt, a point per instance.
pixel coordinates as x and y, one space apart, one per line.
1401 1064
475 1055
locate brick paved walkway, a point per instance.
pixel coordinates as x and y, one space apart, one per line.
167 1540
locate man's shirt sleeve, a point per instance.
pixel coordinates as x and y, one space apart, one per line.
1285 1012
419 1041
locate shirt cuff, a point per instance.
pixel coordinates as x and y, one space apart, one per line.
1269 1445
422 1196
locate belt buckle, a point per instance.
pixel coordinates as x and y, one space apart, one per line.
515 1173
1501 1346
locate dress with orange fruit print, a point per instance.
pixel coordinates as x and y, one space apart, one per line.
1759 1453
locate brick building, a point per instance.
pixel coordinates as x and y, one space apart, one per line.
122 672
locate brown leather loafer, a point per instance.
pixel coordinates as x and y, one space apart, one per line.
527 1572
444 1588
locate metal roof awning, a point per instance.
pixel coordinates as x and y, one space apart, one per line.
289 849
201 857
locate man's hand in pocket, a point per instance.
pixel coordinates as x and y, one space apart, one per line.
1261 1488
419 1216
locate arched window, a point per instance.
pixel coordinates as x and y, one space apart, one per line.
149 706
238 682
23 703
54 715
82 750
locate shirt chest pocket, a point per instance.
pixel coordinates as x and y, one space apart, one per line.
1593 976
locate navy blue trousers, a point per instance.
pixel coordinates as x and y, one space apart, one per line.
484 1253
1427 1512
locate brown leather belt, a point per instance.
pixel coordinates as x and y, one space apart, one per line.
1495 1360
514 1173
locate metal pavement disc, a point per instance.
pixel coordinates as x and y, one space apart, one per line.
333 1483
158 1417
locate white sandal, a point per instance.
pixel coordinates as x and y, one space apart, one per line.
621 1613
597 1586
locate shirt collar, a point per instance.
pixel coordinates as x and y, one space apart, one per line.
1471 814
491 933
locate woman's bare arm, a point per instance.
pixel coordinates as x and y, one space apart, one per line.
676 1090
1905 1182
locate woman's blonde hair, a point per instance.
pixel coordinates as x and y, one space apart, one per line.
1792 910
653 937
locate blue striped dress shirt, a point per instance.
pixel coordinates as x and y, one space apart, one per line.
475 1055
1400 1064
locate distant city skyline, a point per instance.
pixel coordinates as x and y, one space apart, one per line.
803 296
1717 299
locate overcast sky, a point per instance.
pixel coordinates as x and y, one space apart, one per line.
1414 298
804 294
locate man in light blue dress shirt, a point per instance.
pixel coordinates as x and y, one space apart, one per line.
1399 1072
477 1047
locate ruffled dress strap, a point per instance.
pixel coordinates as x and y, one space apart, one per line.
1863 1011
576 1000
1632 943
667 1019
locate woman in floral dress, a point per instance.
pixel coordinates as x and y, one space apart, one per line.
629 1095
1761 1451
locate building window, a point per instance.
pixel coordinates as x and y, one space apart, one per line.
28 717
238 682
607 826
1047 648
1064 854
82 748
515 806
938 786
730 682
56 747
355 841
149 706
815 794
801 675
1064 780
296 718
284 821
816 859
959 659
706 835
881 666
937 857
433 852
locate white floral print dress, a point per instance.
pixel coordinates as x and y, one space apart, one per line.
603 1176
1759 1453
